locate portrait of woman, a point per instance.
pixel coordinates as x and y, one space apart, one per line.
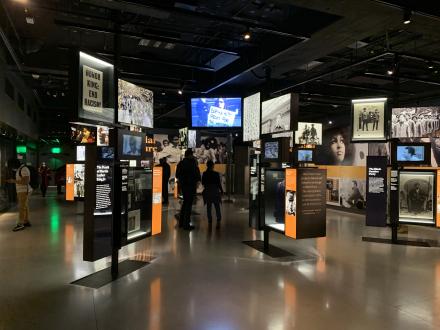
339 151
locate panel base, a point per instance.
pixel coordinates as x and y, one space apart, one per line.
272 251
416 242
103 277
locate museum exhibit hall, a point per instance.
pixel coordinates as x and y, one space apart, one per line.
219 165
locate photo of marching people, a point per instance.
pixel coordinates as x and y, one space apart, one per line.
211 148
135 105
368 121
415 122
308 133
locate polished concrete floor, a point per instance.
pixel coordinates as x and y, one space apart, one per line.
208 279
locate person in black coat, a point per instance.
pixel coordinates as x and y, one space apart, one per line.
212 191
166 173
188 176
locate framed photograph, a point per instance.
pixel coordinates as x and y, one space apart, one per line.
309 133
333 191
417 197
417 122
368 120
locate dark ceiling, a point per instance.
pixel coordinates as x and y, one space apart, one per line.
328 51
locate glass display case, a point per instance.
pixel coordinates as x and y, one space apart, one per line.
136 204
274 199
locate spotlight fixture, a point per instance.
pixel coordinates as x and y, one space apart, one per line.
247 35
180 92
390 71
407 14
430 66
330 122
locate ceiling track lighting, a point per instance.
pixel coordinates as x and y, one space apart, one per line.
247 35
407 15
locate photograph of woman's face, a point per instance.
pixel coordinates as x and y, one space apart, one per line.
337 148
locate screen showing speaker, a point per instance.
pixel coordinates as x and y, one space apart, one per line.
216 112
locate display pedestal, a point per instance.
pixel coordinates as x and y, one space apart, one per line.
266 248
414 242
105 276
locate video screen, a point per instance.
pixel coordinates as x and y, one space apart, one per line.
271 150
83 134
216 112
131 145
305 155
80 153
135 105
410 153
107 153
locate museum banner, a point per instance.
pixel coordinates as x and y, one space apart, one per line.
376 210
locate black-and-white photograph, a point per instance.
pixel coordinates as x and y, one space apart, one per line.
291 202
308 133
192 138
251 117
380 149
135 105
333 191
211 148
276 114
337 149
103 136
183 138
368 120
167 146
416 197
415 122
79 180
134 221
352 193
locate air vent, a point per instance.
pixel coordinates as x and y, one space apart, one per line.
309 66
156 44
357 45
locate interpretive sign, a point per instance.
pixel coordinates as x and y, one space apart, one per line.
376 210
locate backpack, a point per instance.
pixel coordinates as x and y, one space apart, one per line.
33 182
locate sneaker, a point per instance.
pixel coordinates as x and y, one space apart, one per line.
18 227
27 224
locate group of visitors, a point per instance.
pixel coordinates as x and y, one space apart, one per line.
189 177
369 117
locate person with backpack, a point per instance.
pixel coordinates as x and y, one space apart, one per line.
23 188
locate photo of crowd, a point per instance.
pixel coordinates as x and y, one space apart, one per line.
135 105
415 122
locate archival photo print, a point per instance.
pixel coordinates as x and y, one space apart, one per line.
352 193
251 117
291 202
368 120
333 191
308 133
135 105
416 196
415 122
276 114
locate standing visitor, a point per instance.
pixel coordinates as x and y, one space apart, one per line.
188 176
212 191
166 173
44 173
22 179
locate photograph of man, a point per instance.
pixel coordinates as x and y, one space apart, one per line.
364 119
291 202
412 154
416 199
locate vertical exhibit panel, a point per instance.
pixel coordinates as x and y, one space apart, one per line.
311 203
290 215
98 208
438 200
157 201
70 182
376 210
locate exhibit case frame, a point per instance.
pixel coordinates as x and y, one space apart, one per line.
384 122
418 195
296 207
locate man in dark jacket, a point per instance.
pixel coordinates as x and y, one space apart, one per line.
166 173
188 176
